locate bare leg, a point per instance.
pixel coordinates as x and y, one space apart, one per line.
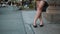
41 7
40 18
38 13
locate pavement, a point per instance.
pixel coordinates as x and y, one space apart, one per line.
14 21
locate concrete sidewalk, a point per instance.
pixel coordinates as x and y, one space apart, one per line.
28 17
13 21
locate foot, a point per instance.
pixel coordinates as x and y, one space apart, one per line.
34 26
41 25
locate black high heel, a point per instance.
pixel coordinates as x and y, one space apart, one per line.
41 25
34 26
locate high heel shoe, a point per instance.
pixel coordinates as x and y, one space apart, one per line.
41 25
34 26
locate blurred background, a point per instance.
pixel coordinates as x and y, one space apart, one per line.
21 4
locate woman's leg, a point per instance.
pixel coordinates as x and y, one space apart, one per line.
40 16
37 15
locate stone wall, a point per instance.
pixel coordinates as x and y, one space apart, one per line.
53 11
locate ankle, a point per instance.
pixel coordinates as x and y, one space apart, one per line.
41 23
34 24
